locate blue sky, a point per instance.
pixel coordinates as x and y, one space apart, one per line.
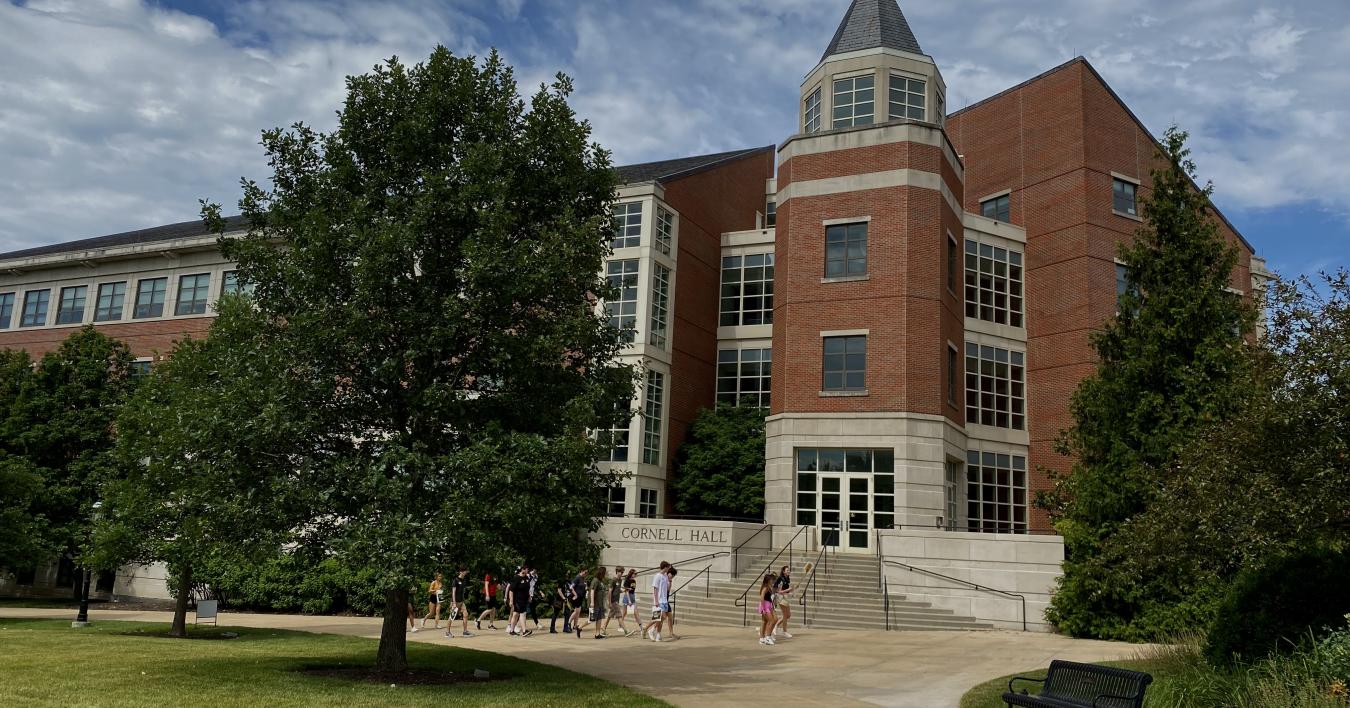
120 114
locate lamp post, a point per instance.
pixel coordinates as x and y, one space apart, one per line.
82 619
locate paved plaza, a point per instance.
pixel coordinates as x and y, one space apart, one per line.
722 666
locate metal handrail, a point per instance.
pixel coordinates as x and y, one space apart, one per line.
707 584
736 552
974 586
886 600
740 601
821 557
705 556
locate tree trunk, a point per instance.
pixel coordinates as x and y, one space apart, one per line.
393 653
179 628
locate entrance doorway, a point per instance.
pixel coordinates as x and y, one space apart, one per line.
846 494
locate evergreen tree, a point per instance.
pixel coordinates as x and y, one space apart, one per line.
1171 361
431 269
720 467
22 541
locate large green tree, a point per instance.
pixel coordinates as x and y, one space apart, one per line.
431 268
1171 361
22 526
720 467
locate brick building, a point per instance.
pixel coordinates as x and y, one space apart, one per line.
909 293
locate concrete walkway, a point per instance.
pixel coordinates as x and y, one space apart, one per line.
721 666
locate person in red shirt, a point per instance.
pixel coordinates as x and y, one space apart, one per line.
489 602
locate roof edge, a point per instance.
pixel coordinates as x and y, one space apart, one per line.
740 155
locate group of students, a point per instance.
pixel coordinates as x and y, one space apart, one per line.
775 605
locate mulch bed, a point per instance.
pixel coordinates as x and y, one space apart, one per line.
411 677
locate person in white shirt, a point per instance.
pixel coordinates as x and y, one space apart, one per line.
660 603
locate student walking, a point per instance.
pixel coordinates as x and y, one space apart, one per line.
628 599
489 603
535 594
782 588
576 593
660 603
561 607
434 595
518 602
459 608
766 620
616 596
599 596
671 572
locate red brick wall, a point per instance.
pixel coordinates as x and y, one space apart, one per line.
147 338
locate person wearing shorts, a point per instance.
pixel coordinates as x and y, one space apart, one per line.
660 602
518 597
562 607
489 602
434 595
576 594
616 596
459 592
628 597
599 596
766 619
782 588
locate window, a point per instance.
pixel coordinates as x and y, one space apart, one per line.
951 487
846 250
627 225
998 208
192 293
140 368
230 285
854 102
811 116
771 213
651 418
995 387
845 363
1123 284
616 438
818 488
993 284
664 229
647 504
907 98
150 297
952 255
618 501
6 310
111 299
952 359
743 376
1122 197
747 290
70 310
996 492
660 304
622 311
35 308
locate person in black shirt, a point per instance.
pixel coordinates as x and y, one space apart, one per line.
576 594
459 592
782 588
518 594
561 608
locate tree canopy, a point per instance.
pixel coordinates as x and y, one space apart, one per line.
719 470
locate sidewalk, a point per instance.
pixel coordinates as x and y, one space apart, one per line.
722 666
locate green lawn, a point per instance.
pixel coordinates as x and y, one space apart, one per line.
47 663
989 694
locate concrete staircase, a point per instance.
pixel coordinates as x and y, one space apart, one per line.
845 598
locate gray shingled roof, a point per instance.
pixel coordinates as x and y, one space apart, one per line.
869 24
682 167
185 229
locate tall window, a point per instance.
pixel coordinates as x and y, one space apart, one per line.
811 115
951 492
818 488
952 359
627 225
747 290
743 376
70 310
952 256
111 301
998 208
845 364
35 304
995 387
1124 284
770 213
907 98
993 284
651 418
996 492
618 501
647 503
622 311
665 229
616 437
854 102
6 310
150 297
660 304
846 250
230 285
1123 197
193 290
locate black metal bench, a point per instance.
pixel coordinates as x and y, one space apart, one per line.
1070 684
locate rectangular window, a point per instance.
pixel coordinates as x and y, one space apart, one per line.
845 363
846 250
854 102
952 256
995 387
811 115
747 290
140 368
35 308
651 418
743 376
951 487
230 285
70 309
953 357
996 492
617 440
193 290
618 501
998 208
627 225
622 311
111 301
819 493
907 98
6 310
993 284
665 229
1122 197
660 304
771 214
647 504
150 297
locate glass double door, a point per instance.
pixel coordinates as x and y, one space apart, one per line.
845 511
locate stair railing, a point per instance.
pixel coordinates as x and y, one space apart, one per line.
736 552
882 584
973 586
822 560
707 585
740 601
695 559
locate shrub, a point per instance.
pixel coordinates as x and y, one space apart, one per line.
293 582
1275 606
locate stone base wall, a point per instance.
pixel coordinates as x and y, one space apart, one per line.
147 582
1018 563
644 543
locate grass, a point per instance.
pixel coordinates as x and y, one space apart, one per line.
123 664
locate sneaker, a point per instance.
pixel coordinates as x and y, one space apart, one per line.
479 624
493 627
578 631
764 641
785 635
599 636
769 641
527 633
449 634
414 629
466 634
